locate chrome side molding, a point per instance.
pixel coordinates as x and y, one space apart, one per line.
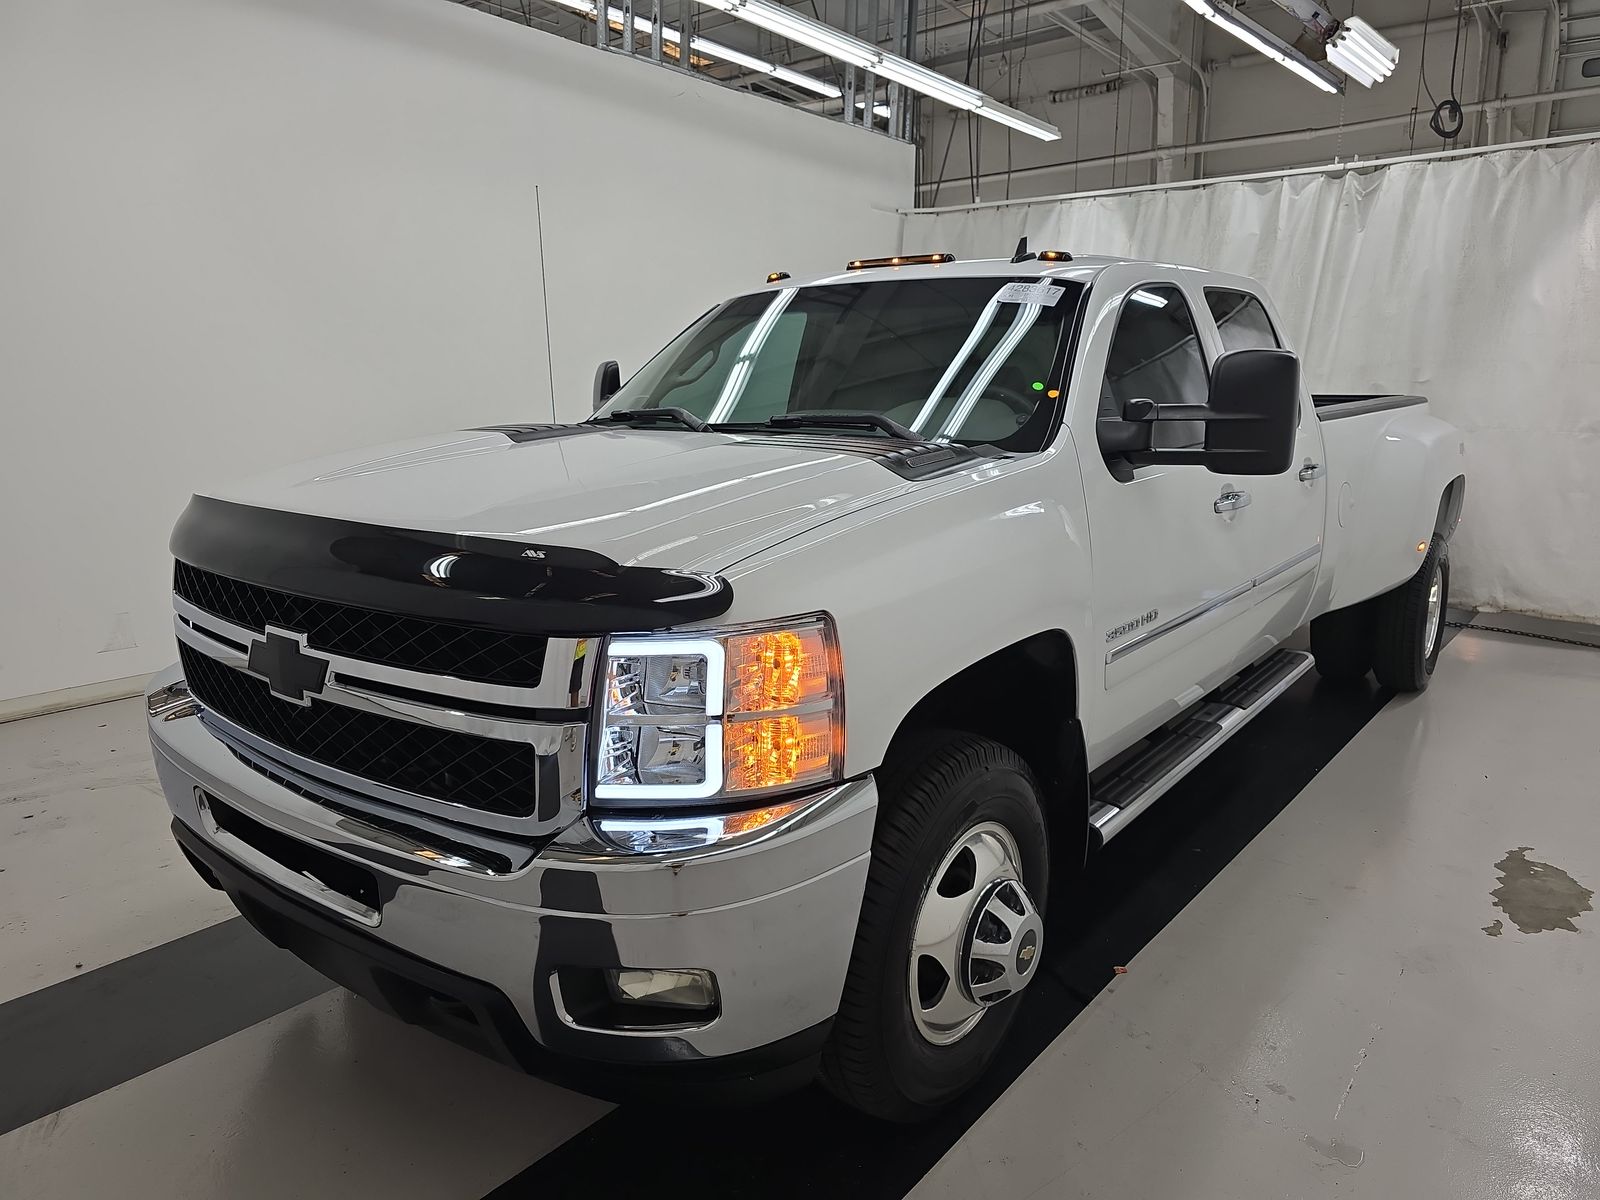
1146 636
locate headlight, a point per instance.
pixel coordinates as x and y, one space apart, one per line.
721 715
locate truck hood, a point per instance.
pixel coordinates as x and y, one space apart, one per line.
663 498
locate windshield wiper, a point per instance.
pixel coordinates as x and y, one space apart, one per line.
654 416
844 420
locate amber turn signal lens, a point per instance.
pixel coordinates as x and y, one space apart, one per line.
776 669
769 752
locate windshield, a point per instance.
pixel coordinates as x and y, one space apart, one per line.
962 359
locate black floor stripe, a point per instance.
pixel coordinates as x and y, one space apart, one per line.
74 1039
806 1145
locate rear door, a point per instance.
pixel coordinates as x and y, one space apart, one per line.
1283 521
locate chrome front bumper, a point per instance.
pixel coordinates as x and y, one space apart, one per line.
773 916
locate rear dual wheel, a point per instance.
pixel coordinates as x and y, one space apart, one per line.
951 928
1410 624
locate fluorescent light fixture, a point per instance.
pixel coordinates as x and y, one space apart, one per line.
800 79
797 28
1262 40
878 110
749 61
930 83
835 43
1150 298
699 45
1021 121
1362 53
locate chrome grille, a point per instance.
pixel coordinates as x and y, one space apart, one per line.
496 756
441 764
416 644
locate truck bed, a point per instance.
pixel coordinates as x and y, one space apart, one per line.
1331 406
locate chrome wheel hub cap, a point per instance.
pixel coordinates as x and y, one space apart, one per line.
1435 609
977 937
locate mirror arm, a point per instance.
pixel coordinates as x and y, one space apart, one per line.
1149 410
1184 458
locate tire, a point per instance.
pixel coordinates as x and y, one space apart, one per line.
1406 648
1343 642
940 789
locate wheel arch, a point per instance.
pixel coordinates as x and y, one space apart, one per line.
1450 506
1024 696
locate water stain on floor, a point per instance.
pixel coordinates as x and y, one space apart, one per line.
1536 896
1335 1151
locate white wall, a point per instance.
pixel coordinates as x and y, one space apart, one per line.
235 233
1472 281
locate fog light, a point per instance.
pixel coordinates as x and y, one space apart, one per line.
675 989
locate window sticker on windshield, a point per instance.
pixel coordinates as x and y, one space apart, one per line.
1029 293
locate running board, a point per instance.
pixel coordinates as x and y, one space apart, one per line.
1178 748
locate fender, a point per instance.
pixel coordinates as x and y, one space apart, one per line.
1006 542
1386 497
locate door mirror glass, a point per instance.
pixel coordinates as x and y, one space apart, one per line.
607 383
1254 408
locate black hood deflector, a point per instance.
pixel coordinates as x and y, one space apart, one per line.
488 583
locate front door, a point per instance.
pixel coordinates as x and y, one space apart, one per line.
1174 555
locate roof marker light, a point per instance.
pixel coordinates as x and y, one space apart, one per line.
1054 256
900 260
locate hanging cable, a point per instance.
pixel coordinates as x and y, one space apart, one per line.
1077 114
1015 70
1447 118
1116 127
974 77
950 138
1416 100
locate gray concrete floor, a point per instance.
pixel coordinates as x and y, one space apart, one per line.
1344 1011
89 873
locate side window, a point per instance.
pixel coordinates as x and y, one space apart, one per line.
1155 355
1241 320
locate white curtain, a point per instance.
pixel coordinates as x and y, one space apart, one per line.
1474 281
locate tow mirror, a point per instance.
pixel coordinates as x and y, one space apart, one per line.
607 382
1250 418
1255 406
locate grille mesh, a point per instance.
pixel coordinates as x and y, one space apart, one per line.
440 648
482 773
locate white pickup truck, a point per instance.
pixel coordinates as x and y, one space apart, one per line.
732 733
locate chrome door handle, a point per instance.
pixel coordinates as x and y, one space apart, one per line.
1310 471
1230 501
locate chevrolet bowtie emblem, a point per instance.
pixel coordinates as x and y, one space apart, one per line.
1027 952
281 659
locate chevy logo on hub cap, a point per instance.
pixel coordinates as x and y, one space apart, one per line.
291 673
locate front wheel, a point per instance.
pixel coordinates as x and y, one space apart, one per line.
951 929
1410 624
